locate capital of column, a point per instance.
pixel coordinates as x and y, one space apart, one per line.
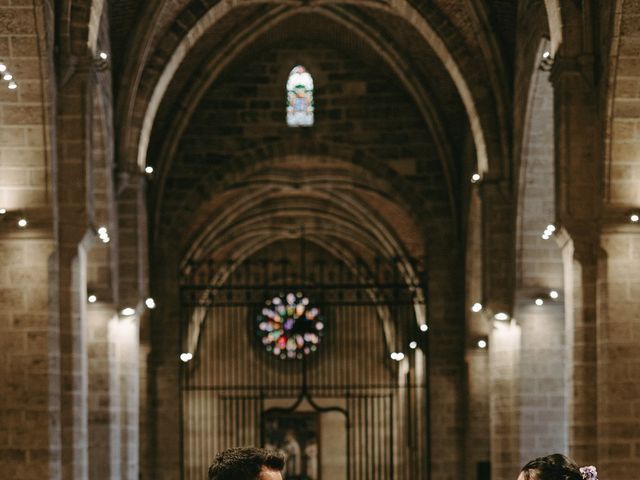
581 66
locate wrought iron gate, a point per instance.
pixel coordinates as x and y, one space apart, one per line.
372 410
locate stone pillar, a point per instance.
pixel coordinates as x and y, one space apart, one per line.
29 357
74 116
164 368
132 239
132 290
29 320
446 362
126 336
618 338
478 443
504 400
543 416
498 245
578 206
104 394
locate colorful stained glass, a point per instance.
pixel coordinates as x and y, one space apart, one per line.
289 326
300 98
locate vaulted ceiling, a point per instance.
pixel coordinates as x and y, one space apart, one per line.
437 71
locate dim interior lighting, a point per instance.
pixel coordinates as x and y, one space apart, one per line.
127 312
148 169
553 294
413 345
475 178
22 222
103 55
185 357
424 327
546 54
92 299
103 233
476 307
539 302
3 211
3 67
634 217
12 85
501 316
548 231
150 303
482 344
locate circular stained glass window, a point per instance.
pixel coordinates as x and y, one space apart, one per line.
290 326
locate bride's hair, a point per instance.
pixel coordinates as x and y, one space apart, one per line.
552 467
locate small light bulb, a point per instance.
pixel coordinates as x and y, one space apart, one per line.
413 345
501 316
3 67
7 76
424 327
482 344
635 218
3 211
127 312
539 302
102 231
475 178
551 228
150 303
399 356
476 307
553 294
185 357
22 222
546 54
545 236
12 85
148 169
393 355
92 299
105 239
103 55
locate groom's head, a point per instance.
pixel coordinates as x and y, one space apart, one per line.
247 463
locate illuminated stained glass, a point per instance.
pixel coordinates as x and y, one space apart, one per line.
289 326
299 98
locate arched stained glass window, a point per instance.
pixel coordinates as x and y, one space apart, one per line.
299 98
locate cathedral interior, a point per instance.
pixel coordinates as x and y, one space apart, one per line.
395 239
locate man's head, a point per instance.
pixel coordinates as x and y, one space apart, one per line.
247 464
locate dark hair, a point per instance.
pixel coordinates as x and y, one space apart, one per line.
244 463
552 467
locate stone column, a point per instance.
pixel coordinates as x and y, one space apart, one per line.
543 416
446 361
29 320
74 117
104 394
618 338
504 366
29 356
578 206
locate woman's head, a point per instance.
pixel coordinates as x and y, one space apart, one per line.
551 467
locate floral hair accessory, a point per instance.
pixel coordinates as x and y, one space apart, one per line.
589 473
